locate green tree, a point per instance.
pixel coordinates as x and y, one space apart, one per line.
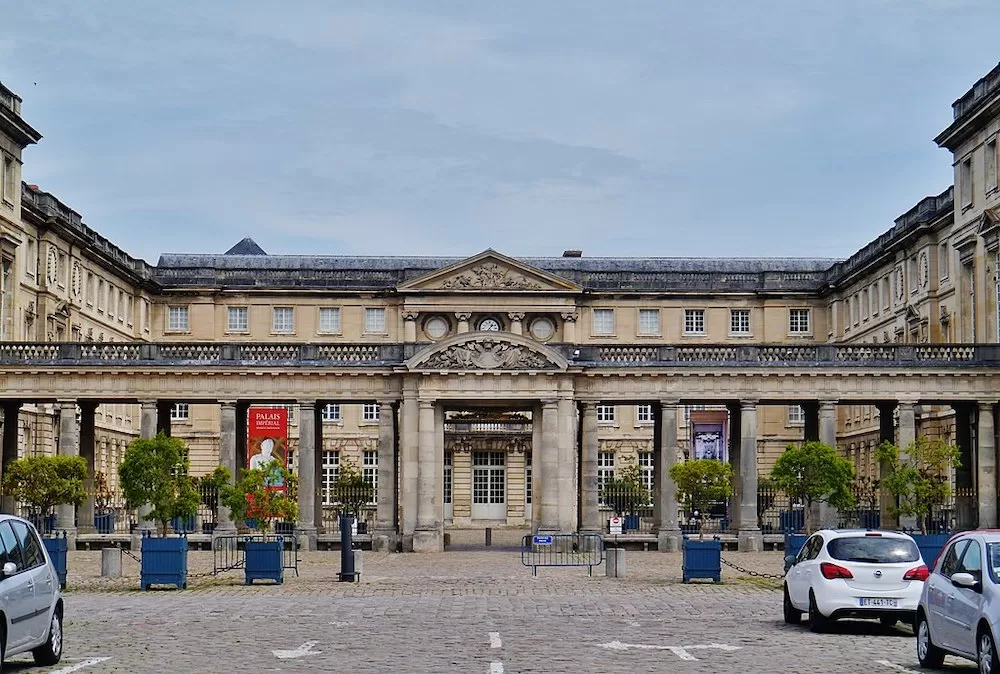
919 478
813 472
254 497
154 471
703 481
210 486
351 491
46 481
625 493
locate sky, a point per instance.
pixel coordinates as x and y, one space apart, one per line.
719 128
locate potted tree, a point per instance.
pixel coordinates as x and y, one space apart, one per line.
154 472
352 493
702 481
919 482
43 482
263 495
626 494
104 512
209 488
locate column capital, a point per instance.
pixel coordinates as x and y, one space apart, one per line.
669 403
385 402
986 404
63 404
570 316
227 403
515 315
549 402
589 406
908 404
748 403
148 403
463 315
827 403
425 403
308 402
409 314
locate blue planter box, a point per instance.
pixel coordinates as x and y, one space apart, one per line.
630 523
45 525
104 523
702 559
792 520
164 562
930 546
264 561
793 543
56 547
183 525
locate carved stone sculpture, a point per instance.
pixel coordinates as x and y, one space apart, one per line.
489 355
490 276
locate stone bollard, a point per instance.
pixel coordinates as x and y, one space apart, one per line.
358 566
111 563
614 563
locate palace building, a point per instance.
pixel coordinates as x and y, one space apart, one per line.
490 391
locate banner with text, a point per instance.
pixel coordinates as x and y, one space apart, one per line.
267 441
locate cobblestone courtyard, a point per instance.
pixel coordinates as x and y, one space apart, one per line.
460 611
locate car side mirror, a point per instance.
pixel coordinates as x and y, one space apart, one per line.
966 580
789 561
9 569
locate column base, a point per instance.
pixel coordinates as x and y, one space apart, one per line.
306 538
428 540
669 540
750 540
384 540
86 530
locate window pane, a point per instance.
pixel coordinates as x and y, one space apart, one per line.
649 321
30 547
604 321
370 412
694 320
739 321
331 412
874 549
329 319
238 319
177 318
606 413
375 321
284 320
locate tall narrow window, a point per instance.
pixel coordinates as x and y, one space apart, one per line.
965 182
329 467
369 470
970 273
375 321
605 470
7 300
177 319
283 319
649 321
739 321
944 260
9 179
694 321
329 320
604 321
447 478
646 473
990 164
237 319
527 478
865 307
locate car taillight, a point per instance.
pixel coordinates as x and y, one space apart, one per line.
831 571
919 573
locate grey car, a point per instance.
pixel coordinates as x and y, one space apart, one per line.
960 605
30 602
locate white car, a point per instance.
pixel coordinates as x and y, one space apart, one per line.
30 602
854 574
959 610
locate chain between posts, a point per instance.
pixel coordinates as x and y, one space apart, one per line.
750 572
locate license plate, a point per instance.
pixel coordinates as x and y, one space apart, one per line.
878 602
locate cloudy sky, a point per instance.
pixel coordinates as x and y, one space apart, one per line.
659 127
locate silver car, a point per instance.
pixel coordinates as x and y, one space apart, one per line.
960 605
30 601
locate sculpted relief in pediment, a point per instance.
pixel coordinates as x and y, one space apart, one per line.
488 353
489 271
489 276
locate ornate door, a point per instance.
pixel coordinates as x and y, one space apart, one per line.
489 486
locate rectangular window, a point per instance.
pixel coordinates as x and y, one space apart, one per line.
798 321
369 470
329 320
331 412
31 259
944 261
694 321
739 321
179 412
865 306
605 470
177 319
644 414
283 319
606 414
7 299
886 294
990 165
237 319
121 305
328 474
874 299
527 478
604 321
649 321
370 412
447 477
647 472
9 180
375 321
796 415
965 182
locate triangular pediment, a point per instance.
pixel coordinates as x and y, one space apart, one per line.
489 272
487 351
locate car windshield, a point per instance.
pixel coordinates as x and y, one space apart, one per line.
874 549
993 554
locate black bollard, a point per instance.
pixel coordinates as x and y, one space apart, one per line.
489 536
346 574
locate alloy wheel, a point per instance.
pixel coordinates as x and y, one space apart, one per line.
985 653
56 635
923 640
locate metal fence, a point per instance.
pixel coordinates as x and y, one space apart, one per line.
331 520
562 550
229 552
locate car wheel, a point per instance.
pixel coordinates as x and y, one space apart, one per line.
987 653
793 616
51 651
928 654
817 621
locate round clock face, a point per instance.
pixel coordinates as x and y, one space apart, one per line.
489 324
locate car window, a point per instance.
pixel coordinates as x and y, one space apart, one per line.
814 545
972 560
950 563
874 549
30 547
993 555
10 551
804 551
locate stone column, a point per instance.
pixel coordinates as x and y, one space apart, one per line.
590 516
385 521
668 535
569 327
886 433
825 515
409 443
306 463
907 434
536 466
85 514
463 320
224 525
427 537
11 410
69 445
410 326
735 445
568 468
515 322
147 429
986 465
749 537
548 482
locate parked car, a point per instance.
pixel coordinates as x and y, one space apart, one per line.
960 606
30 602
854 574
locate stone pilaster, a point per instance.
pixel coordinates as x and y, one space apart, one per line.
548 482
409 446
986 465
88 447
907 434
385 521
569 327
224 525
568 467
11 410
825 515
69 445
516 325
409 326
306 462
536 466
749 537
463 320
668 531
886 433
427 537
590 516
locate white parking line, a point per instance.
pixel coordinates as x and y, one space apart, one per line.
80 665
496 668
495 640
898 668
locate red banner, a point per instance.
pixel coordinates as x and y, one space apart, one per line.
267 440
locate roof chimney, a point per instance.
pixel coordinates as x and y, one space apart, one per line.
572 253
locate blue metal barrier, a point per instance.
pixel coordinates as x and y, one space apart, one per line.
562 550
